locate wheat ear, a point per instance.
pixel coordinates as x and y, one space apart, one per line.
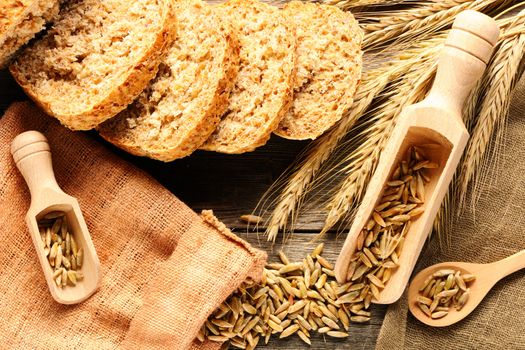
428 18
349 4
298 182
511 27
501 76
302 176
363 161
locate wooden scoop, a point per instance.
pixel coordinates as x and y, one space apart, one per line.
32 156
487 275
436 122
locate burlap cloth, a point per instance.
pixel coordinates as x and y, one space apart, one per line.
164 269
490 230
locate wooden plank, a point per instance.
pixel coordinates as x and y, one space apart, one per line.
362 336
231 185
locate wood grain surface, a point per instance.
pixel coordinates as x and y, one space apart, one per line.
362 336
232 185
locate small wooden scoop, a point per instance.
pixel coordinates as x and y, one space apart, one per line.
487 275
32 156
435 121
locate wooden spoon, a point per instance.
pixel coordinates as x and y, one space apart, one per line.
487 275
32 156
436 122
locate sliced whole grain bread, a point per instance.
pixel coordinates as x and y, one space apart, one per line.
20 21
329 60
96 59
183 104
263 88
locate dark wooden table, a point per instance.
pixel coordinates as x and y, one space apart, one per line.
232 186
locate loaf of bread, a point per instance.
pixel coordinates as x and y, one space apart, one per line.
263 88
96 59
20 20
182 106
329 60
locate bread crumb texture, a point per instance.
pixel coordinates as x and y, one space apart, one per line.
263 88
96 59
329 60
20 21
182 106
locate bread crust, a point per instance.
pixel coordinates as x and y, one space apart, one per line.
122 93
328 68
236 134
199 124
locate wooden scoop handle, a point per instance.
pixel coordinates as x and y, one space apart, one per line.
467 51
509 265
32 156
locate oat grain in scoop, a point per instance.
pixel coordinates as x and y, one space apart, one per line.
380 243
64 254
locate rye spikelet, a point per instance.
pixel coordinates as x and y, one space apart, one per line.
511 28
300 179
340 205
421 21
316 163
302 176
499 81
362 162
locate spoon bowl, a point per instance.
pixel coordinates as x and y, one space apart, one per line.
487 275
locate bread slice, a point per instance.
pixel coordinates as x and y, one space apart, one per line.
329 60
20 20
96 59
182 106
263 88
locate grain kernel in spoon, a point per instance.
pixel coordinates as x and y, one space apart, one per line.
443 290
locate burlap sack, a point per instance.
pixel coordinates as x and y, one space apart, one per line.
491 230
164 268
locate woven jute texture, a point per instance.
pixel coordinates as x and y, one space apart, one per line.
164 268
490 229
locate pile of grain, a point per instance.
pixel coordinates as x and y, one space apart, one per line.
293 298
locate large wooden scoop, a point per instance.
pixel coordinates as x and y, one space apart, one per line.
32 156
436 121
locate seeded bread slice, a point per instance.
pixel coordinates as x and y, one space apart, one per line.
20 20
182 106
329 60
263 88
96 59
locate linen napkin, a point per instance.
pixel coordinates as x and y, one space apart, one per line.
164 268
